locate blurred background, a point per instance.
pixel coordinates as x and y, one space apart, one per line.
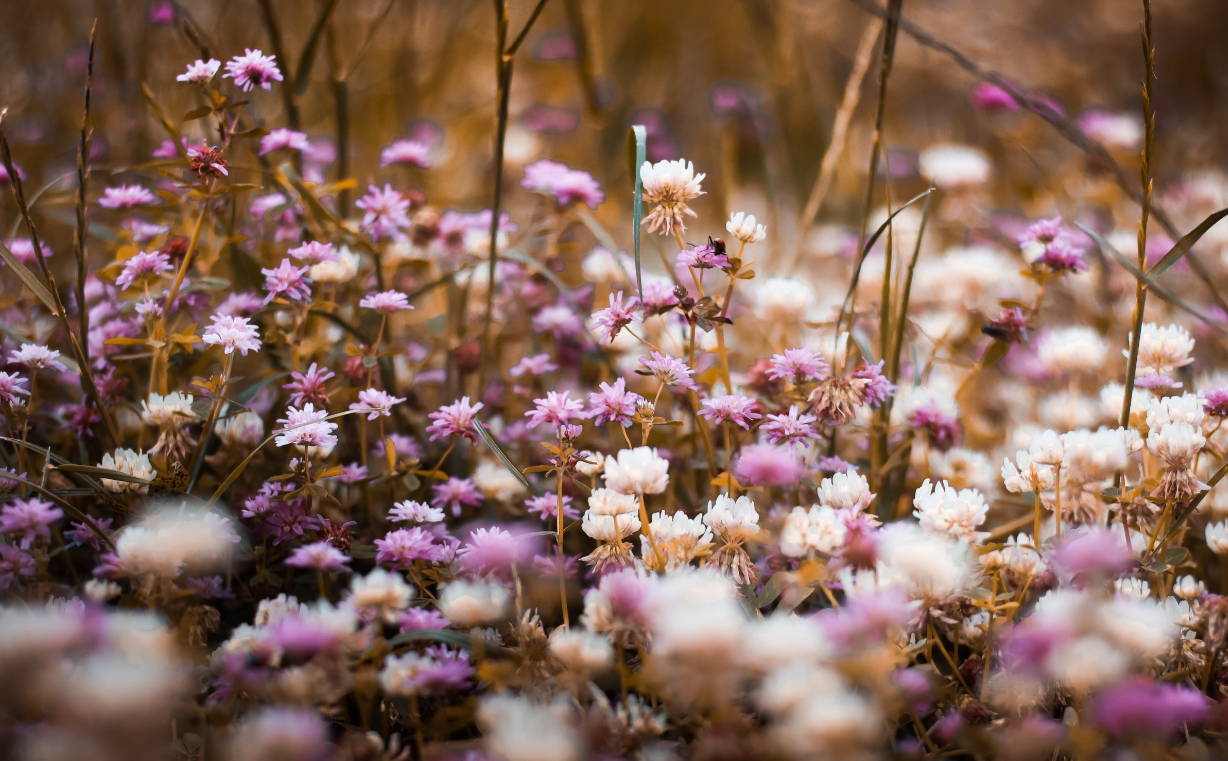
747 89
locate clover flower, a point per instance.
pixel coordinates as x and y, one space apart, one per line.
287 281
306 427
232 333
143 267
309 386
637 471
456 419
613 404
669 185
385 212
132 463
742 226
32 518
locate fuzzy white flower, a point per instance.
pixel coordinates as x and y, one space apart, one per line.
132 463
497 482
845 491
602 265
1186 408
168 541
742 226
1162 349
943 509
1074 349
519 729
1135 589
243 430
783 300
609 528
678 538
669 185
1021 557
637 471
1113 396
819 529
964 469
1217 537
591 464
382 591
1175 444
732 520
1179 613
581 650
955 166
929 566
343 270
469 603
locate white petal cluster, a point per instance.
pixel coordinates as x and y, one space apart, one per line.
955 166
469 603
1072 350
168 541
679 539
819 529
928 566
1186 408
610 517
134 464
732 520
1162 349
383 591
845 491
943 509
637 471
742 226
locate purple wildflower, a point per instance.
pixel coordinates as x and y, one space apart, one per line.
454 419
547 506
989 97
210 588
791 428
307 427
668 370
403 546
126 196
233 333
766 465
1090 554
538 364
454 493
81 532
322 556
1141 706
613 404
943 429
402 151
1215 401
309 386
10 387
422 618
240 304
559 319
15 564
313 252
616 317
200 72
565 184
736 408
31 517
385 302
798 366
290 520
384 212
283 137
378 401
703 257
36 356
556 409
253 69
142 268
879 389
415 512
494 549
288 281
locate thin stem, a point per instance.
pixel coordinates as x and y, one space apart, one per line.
562 557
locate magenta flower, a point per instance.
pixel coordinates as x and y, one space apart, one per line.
538 364
403 546
659 296
240 304
386 302
378 401
143 267
402 446
290 521
455 493
989 97
791 428
200 72
166 149
616 317
493 550
1140 706
15 564
126 196
23 249
942 429
547 506
142 231
422 618
565 184
798 366
253 69
1087 555
208 161
735 408
434 671
556 409
81 532
287 281
32 518
1215 401
613 404
766 465
306 428
321 556
668 370
702 257
209 588
232 333
385 212
353 473
283 137
313 251
1048 242
406 152
454 419
879 389
11 387
309 386
35 357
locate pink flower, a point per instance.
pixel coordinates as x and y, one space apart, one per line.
614 318
559 319
406 152
556 409
166 149
705 256
141 230
385 212
797 366
454 493
10 387
200 72
538 364
1215 401
309 386
126 196
735 408
353 473
422 618
659 296
562 182
322 556
668 370
15 564
613 404
143 267
767 465
493 549
81 532
378 401
35 356
313 251
943 430
208 161
283 137
307 428
253 69
233 333
385 302
547 506
23 249
1142 706
415 512
240 304
791 428
454 419
31 517
1088 555
288 281
403 546
879 389
989 97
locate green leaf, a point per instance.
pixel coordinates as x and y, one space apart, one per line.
637 149
1158 567
197 113
33 283
1176 555
995 351
109 473
503 458
1183 246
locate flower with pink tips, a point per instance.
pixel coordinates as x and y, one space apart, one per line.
385 212
538 364
200 72
669 370
386 302
320 556
143 267
454 419
253 69
126 197
283 138
32 518
36 357
556 409
614 318
309 386
378 401
233 333
287 281
798 366
613 404
412 152
736 408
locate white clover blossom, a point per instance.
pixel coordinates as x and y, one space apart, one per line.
669 185
944 509
742 226
637 471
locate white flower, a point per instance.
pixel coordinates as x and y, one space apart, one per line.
927 565
243 430
1188 588
1179 613
1217 537
609 528
497 482
818 530
168 541
170 411
943 509
35 356
381 590
1085 663
581 650
732 520
964 469
1162 350
200 72
679 539
637 471
519 729
783 300
1135 589
469 603
343 270
1093 456
130 462
955 166
845 491
1021 556
782 641
594 465
743 227
1074 349
669 184
602 265
1175 444
1186 408
1113 396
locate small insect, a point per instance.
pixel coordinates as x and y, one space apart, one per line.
175 481
718 244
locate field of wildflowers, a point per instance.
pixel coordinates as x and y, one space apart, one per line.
826 382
